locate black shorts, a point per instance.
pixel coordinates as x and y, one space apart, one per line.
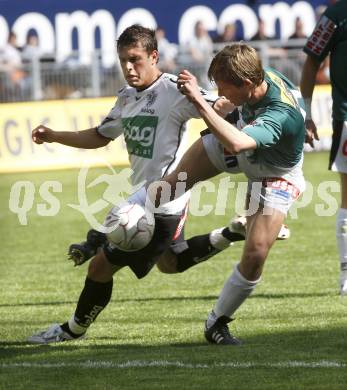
168 230
337 150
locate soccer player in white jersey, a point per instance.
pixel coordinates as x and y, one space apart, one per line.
152 115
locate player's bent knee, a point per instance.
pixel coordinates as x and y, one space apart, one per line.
167 263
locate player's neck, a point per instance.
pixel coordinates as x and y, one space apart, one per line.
152 80
258 93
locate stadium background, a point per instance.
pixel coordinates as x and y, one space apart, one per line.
151 336
69 32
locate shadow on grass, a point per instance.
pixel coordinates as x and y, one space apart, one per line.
177 298
306 345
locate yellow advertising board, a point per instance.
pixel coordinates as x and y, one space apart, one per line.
19 153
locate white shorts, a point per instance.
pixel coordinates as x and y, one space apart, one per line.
268 187
338 152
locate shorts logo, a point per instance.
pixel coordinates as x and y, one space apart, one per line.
281 187
139 134
230 160
281 194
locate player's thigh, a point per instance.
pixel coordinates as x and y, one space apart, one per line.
100 269
262 231
196 164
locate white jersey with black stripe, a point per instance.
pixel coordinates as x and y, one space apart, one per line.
153 122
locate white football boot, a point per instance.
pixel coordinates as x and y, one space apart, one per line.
54 334
238 225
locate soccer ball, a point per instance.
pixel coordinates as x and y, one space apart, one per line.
133 228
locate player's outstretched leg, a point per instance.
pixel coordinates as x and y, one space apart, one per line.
84 251
200 248
94 297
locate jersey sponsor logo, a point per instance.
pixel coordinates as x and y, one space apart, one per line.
321 35
147 110
139 134
151 97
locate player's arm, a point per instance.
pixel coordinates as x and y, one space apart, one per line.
308 79
85 139
185 110
318 46
231 138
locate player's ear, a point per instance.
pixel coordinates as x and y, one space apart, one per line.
155 57
247 83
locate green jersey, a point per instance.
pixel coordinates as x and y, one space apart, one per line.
276 123
330 36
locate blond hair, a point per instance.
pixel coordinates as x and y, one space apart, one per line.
236 63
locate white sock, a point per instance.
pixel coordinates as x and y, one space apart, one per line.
75 328
235 291
341 236
218 241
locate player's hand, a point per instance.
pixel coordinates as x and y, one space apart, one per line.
311 132
42 134
223 106
188 85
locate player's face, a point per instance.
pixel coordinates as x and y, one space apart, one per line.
237 95
139 68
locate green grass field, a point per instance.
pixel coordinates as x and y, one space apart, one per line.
151 334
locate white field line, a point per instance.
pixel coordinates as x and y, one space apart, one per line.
177 364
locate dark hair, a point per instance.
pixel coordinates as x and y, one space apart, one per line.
136 34
235 64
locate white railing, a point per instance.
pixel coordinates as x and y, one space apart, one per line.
45 78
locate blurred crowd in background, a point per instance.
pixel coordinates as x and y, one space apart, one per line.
28 74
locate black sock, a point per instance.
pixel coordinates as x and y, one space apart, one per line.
93 299
197 249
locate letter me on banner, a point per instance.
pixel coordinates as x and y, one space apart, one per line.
18 152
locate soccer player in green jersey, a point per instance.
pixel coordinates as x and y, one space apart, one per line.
263 138
330 36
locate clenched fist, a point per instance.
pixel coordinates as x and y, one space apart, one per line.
42 134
